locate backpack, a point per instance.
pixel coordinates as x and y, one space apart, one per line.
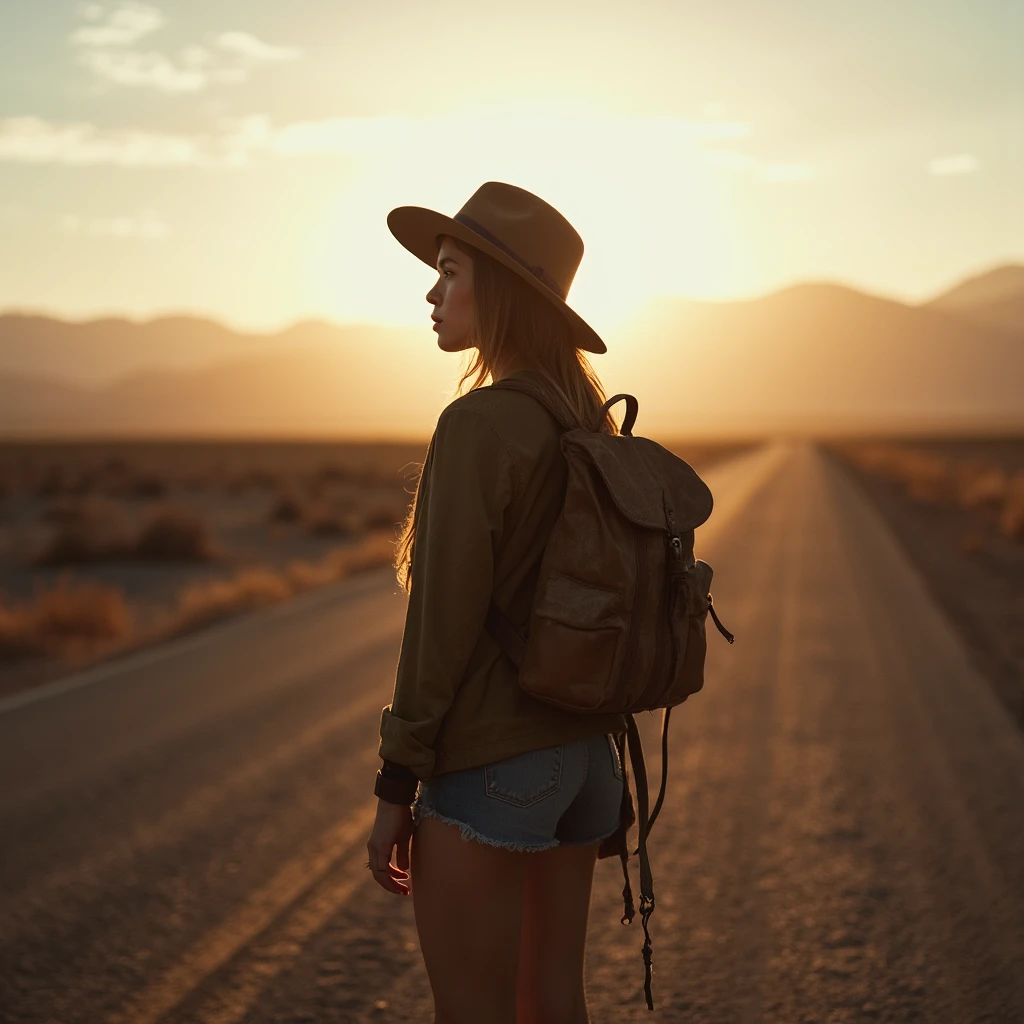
617 622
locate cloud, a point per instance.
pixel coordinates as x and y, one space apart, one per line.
127 23
32 140
238 141
147 225
961 163
144 69
246 45
103 49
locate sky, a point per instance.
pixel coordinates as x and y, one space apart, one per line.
238 160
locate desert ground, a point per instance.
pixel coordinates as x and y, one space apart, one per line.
108 546
957 507
182 831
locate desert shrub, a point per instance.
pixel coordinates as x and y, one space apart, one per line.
333 474
70 545
66 617
147 487
330 522
253 479
173 533
63 512
304 575
982 486
85 483
924 477
286 509
51 483
972 484
373 549
196 482
122 482
373 476
206 602
86 529
113 476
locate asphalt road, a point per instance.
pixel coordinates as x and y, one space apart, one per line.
182 834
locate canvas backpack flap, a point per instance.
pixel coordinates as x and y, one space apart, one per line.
643 478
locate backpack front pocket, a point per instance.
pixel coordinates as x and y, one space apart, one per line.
576 644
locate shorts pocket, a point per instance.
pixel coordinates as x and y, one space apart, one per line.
526 778
616 763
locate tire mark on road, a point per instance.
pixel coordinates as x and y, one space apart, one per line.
290 891
188 816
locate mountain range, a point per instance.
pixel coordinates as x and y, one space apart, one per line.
817 357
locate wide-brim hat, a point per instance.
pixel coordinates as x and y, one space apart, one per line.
518 229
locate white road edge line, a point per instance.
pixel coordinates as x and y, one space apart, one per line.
354 586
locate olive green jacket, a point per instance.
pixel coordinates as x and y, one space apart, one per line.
493 482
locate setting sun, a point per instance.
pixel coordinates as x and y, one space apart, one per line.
642 192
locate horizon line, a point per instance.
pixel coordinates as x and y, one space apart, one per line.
139 320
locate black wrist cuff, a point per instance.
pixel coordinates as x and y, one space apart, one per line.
394 770
395 791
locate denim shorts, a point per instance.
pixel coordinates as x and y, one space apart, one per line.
570 794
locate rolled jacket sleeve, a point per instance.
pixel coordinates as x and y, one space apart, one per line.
467 485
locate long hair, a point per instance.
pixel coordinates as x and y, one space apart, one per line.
513 324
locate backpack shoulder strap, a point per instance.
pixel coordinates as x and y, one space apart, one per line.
565 415
550 402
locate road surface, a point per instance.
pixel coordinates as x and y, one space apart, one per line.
182 833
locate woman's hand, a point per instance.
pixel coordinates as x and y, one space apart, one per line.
392 827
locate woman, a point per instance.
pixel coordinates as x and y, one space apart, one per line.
505 800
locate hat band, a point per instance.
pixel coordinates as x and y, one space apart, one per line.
538 272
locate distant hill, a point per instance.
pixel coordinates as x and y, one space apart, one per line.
814 357
995 297
371 389
994 285
823 356
99 351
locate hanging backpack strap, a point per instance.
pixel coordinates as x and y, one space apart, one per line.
636 756
664 769
626 818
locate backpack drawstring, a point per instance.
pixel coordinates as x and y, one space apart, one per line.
721 629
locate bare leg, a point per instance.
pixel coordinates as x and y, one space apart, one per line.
556 906
468 902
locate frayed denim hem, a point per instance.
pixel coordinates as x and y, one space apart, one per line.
469 833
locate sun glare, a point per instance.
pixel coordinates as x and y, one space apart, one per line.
640 191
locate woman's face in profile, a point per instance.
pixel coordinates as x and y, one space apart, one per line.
452 298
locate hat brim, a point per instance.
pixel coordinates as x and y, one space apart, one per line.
417 229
